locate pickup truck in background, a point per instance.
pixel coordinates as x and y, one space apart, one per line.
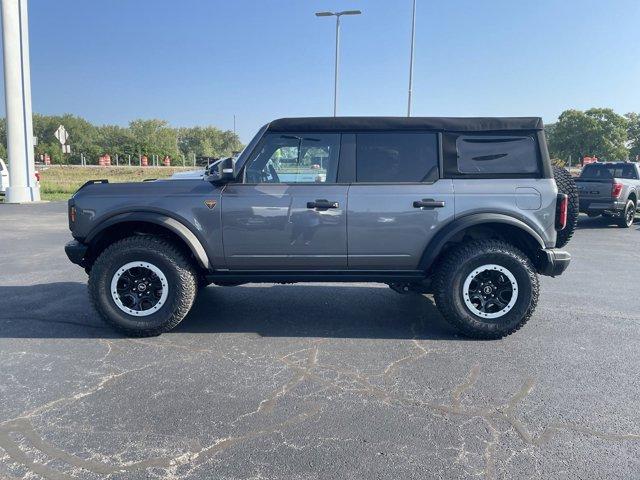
610 189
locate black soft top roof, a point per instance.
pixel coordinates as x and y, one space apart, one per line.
452 124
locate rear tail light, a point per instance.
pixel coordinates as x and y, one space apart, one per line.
616 189
562 207
72 214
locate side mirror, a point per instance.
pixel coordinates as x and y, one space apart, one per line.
222 171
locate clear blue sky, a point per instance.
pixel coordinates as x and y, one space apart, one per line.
196 62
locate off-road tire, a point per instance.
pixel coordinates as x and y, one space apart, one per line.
175 265
567 185
627 218
459 262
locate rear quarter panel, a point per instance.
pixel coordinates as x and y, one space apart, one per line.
532 201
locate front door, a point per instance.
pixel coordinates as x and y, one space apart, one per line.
398 202
288 213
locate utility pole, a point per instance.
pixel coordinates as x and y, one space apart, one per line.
337 59
336 68
17 93
413 42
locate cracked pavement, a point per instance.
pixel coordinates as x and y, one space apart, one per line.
316 381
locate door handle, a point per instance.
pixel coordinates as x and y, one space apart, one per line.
428 203
323 204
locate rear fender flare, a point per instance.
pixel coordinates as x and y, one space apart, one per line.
171 224
436 245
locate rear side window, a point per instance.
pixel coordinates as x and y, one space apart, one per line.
396 157
481 154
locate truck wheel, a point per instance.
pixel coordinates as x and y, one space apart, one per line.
486 288
143 285
566 185
629 214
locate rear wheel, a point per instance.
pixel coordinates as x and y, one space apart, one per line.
143 285
486 288
566 185
629 214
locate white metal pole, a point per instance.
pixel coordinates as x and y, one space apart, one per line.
337 67
17 91
413 42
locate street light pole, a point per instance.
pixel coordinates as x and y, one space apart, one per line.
413 41
17 93
337 59
337 67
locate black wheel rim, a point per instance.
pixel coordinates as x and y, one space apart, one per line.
139 288
630 214
490 291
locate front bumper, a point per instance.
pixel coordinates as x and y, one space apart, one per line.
553 261
76 252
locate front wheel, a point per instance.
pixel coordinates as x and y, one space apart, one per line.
143 285
486 288
629 214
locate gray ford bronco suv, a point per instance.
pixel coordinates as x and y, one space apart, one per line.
466 209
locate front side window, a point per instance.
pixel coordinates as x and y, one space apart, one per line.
482 154
396 157
295 158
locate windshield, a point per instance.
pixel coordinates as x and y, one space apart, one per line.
607 172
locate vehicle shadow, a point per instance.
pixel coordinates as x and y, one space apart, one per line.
63 310
585 223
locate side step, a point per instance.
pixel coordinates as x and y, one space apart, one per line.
295 276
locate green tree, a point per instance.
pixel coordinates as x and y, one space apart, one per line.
154 137
598 131
116 140
633 133
141 137
82 138
207 142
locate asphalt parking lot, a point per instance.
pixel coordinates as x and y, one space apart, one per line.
327 381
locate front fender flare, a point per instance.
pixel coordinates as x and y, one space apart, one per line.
435 246
171 224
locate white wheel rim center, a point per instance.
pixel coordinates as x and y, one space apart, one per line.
467 295
140 288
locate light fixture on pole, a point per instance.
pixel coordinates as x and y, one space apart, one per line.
413 41
337 66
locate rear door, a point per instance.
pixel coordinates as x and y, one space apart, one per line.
398 201
289 213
